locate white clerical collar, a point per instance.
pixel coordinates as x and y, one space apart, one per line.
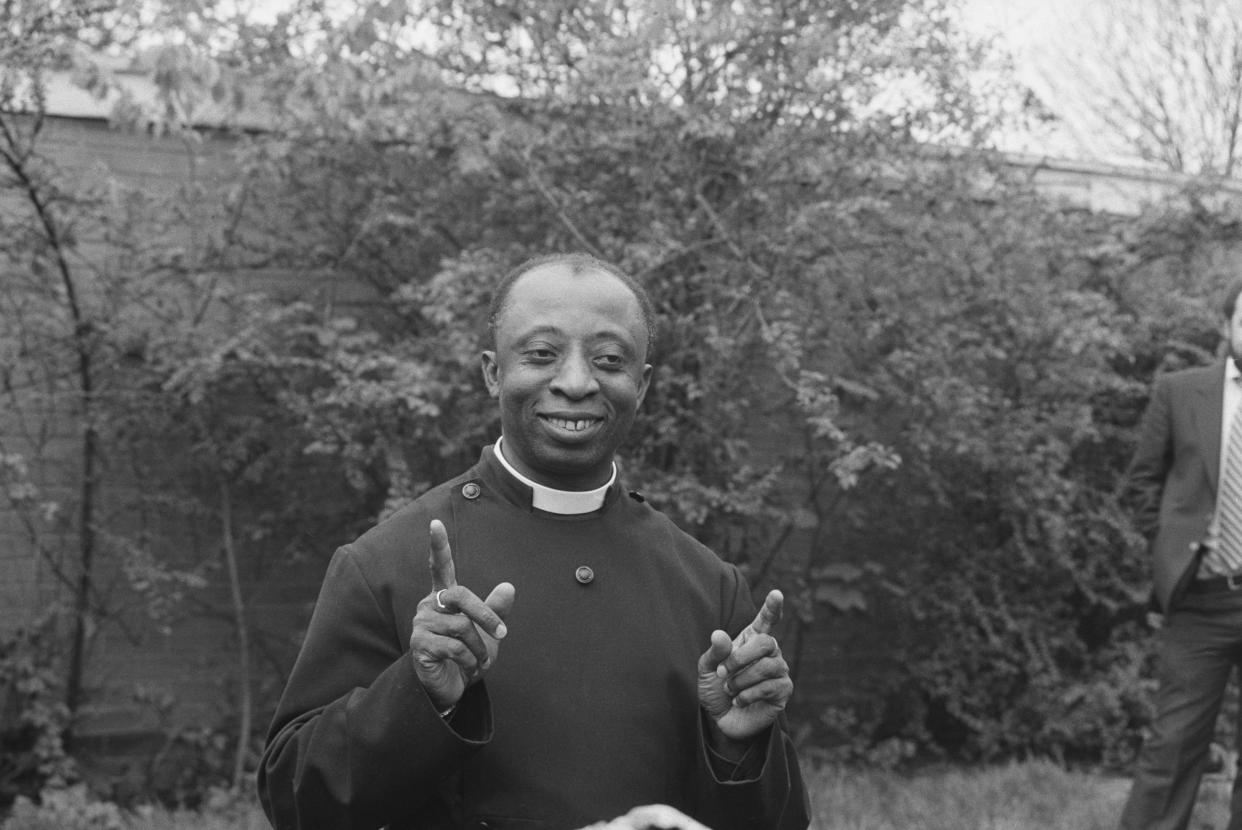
565 502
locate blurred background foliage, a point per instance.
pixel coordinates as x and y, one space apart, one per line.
892 378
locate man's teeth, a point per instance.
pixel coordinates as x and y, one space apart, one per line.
572 426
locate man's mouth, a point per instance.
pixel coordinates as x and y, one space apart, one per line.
571 424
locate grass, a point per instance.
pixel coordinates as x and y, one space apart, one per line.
74 808
252 819
1029 796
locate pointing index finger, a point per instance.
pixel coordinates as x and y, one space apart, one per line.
770 614
443 574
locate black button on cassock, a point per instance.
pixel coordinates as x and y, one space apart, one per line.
584 575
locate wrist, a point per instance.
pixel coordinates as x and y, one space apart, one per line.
441 700
730 749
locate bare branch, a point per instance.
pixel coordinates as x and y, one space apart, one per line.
1160 79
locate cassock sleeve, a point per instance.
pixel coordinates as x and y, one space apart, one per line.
765 788
356 742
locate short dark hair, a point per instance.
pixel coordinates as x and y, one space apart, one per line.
577 264
1231 299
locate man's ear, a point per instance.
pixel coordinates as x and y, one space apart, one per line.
491 373
643 384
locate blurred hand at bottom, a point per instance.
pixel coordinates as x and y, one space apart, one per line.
650 817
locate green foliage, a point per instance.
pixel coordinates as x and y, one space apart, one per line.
106 289
1030 583
33 717
692 150
71 808
1035 795
75 808
889 380
221 809
83 292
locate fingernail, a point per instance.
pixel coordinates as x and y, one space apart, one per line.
487 662
721 671
501 631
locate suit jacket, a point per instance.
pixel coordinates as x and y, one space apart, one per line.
1172 479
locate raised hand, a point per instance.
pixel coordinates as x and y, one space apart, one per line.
744 682
456 635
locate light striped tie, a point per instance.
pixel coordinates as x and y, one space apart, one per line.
1228 555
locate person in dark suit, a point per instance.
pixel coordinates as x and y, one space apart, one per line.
1184 484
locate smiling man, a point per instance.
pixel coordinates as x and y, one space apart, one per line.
614 662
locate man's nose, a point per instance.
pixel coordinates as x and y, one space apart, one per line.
575 378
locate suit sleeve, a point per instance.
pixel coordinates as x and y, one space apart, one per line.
355 742
1143 483
766 789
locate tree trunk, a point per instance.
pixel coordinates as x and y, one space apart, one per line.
244 701
16 153
86 539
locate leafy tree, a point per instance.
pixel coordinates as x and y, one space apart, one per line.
101 281
889 380
742 164
235 401
700 149
56 311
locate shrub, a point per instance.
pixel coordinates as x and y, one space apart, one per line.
33 717
70 808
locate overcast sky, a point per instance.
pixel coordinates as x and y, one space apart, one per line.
1040 35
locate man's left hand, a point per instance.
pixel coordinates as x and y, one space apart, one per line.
744 682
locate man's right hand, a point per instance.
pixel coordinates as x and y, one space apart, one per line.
456 635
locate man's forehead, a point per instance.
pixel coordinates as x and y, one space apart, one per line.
555 277
556 273
547 297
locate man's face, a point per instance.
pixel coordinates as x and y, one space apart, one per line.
1231 330
568 372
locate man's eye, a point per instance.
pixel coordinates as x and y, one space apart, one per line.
610 361
540 354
